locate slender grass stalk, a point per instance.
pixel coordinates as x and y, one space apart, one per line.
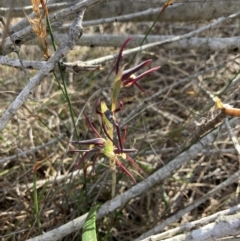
36 207
168 2
64 89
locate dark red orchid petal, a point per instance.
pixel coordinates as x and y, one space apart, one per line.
127 73
91 126
120 54
81 160
119 108
106 133
125 170
119 136
134 163
139 87
97 107
131 81
124 134
115 124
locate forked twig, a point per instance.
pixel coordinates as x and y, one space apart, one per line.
75 32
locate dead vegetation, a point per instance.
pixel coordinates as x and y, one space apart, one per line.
164 127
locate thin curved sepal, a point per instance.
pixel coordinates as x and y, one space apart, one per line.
127 73
120 54
132 80
134 163
125 170
80 161
91 126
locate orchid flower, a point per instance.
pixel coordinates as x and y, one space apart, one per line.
126 78
105 145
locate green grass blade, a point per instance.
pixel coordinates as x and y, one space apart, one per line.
166 4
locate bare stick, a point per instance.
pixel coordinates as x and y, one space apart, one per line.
74 67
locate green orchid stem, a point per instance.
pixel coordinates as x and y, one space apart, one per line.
114 181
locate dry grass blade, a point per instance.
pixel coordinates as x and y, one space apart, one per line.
39 25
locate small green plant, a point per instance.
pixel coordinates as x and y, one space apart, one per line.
111 144
89 228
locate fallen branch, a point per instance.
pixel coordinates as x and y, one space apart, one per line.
74 67
110 40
